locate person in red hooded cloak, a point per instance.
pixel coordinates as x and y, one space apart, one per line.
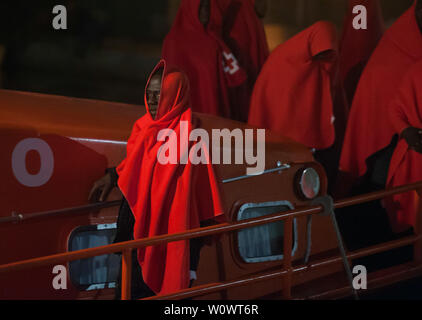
369 131
195 44
245 35
162 198
297 93
405 167
357 45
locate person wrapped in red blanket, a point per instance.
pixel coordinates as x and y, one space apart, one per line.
297 93
244 33
357 45
405 167
195 44
369 129
163 198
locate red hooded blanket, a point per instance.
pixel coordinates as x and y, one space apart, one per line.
211 66
245 35
357 45
293 93
405 166
369 129
162 197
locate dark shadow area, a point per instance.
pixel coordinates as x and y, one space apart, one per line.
408 290
106 52
367 224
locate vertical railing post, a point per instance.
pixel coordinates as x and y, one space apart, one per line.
126 274
287 258
417 254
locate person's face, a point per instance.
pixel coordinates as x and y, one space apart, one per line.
261 8
204 12
153 94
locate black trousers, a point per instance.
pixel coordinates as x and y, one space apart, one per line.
125 224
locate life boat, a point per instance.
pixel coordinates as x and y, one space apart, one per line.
54 148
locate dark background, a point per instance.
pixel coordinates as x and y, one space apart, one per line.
111 46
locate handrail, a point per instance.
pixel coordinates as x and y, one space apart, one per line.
280 167
377 195
17 217
133 244
127 246
215 287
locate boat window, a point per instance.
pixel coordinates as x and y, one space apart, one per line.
264 243
97 272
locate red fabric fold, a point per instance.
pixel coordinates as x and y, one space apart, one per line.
162 197
358 45
211 66
293 95
405 165
245 35
369 128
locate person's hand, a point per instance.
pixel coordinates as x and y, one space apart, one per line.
101 189
413 137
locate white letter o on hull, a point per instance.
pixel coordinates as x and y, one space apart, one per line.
19 162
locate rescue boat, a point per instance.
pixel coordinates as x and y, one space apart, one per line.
54 148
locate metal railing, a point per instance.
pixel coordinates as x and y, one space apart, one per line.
17 217
287 272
